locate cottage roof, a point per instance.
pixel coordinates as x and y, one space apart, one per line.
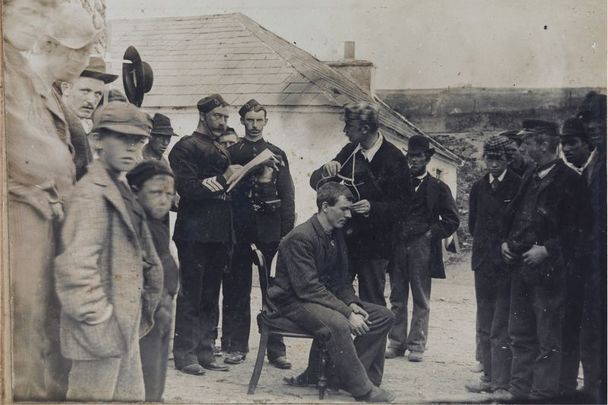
233 55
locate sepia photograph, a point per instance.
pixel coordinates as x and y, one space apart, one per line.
260 201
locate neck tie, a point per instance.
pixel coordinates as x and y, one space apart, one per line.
416 182
494 184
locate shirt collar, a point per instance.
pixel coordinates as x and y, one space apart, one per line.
500 178
544 170
422 176
371 152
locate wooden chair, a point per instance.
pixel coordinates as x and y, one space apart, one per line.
270 323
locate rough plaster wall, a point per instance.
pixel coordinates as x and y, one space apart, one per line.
308 138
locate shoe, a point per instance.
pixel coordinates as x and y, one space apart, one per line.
215 367
391 353
217 351
300 381
235 358
194 369
280 362
477 368
502 395
478 387
415 357
377 395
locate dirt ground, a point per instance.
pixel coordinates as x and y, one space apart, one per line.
440 377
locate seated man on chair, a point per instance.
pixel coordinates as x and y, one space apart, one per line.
312 288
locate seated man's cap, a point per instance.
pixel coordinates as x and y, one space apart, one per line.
71 26
97 70
251 105
161 125
419 144
574 127
145 170
123 118
208 103
539 126
496 146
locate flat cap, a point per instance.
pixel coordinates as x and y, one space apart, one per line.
535 126
208 103
161 125
496 146
574 127
147 169
123 118
71 26
251 105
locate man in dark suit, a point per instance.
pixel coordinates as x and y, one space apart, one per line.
488 202
81 97
264 212
544 229
203 234
432 216
313 289
377 173
160 138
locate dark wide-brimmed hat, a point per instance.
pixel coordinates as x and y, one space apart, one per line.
161 125
137 76
97 70
574 127
419 144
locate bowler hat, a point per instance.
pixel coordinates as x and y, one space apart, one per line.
123 118
145 170
72 27
97 70
419 144
574 127
208 103
161 125
137 76
251 105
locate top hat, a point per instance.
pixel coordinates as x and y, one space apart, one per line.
97 70
419 144
137 76
161 125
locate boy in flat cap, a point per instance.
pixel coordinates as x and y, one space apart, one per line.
488 201
160 138
80 98
378 175
153 184
264 212
203 234
540 244
432 216
108 276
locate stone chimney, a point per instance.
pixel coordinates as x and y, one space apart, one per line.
359 71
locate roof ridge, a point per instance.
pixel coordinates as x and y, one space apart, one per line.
176 17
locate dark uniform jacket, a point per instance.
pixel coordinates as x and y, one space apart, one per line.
204 213
487 209
263 212
385 183
443 221
302 274
557 221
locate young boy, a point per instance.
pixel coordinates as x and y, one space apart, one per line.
108 275
153 183
488 200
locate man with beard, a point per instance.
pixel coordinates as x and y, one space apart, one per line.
81 97
161 134
203 234
376 171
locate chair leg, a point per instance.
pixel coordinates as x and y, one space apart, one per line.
259 362
322 382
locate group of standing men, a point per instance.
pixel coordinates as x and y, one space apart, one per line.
538 222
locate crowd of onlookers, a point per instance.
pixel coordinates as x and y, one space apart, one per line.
95 287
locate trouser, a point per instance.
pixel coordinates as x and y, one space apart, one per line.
493 296
573 313
236 305
535 330
109 379
478 354
359 363
411 270
40 372
201 269
154 350
591 326
371 276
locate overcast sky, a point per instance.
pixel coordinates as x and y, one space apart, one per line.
431 43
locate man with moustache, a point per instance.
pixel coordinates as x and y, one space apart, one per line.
81 97
264 212
203 234
377 173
